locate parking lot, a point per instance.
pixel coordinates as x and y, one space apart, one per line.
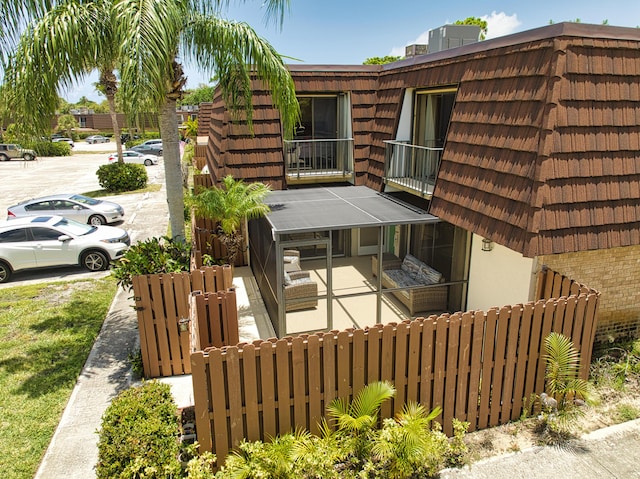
146 214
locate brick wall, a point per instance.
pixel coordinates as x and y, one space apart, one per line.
615 273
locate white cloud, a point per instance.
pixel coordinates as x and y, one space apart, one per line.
500 24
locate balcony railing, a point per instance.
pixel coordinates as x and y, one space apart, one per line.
318 157
412 167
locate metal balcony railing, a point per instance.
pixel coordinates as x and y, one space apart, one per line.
412 167
318 157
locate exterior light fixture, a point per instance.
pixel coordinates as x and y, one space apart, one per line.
487 244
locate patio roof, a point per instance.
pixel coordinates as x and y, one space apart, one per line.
339 208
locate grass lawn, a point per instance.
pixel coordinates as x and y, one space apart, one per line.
46 334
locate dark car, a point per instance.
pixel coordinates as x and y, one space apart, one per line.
124 137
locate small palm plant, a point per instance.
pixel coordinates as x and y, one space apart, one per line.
230 205
358 420
408 443
566 391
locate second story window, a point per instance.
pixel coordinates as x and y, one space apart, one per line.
433 112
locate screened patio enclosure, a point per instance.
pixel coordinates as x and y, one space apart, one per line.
298 255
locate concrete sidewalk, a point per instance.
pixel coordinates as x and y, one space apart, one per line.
73 451
607 453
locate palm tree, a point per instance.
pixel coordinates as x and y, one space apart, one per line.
231 205
155 34
61 46
566 390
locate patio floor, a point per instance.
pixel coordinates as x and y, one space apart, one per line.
350 276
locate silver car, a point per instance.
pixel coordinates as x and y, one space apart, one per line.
46 241
129 156
77 207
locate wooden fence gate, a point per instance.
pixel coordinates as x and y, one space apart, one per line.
163 311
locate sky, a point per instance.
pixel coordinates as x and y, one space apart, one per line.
350 31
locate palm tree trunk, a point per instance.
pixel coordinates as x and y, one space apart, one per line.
116 128
109 83
172 170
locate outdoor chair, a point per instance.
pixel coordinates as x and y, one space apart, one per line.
297 285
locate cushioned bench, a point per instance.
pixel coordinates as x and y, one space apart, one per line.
424 295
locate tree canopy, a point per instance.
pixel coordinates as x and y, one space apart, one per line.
381 60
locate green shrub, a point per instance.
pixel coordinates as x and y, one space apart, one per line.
122 177
152 256
48 148
139 434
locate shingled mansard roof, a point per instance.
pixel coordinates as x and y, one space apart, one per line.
543 149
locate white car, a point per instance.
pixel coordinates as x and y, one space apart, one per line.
64 140
76 207
96 139
130 156
47 241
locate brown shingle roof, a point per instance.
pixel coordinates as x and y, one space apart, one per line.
543 149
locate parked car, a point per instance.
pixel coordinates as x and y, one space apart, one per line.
77 207
65 140
46 241
155 141
124 137
148 149
97 139
135 157
9 151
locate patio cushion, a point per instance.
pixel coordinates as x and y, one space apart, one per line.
411 265
428 275
401 278
300 281
287 278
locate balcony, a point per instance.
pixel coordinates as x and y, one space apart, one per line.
313 161
412 168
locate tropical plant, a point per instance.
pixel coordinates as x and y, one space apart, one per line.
66 124
359 418
230 205
154 35
151 256
59 46
191 128
143 40
566 391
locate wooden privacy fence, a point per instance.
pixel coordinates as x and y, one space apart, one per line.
205 241
479 367
162 303
201 182
214 319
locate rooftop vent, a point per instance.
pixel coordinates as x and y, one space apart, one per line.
452 36
413 50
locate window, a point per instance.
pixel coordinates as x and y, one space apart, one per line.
45 234
13 236
433 112
66 205
39 206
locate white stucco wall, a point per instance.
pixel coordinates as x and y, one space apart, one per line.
406 117
498 277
